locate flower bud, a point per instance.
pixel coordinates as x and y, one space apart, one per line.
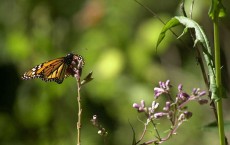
167 106
180 87
202 101
202 93
183 96
135 105
159 114
187 114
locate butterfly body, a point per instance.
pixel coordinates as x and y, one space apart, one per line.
55 70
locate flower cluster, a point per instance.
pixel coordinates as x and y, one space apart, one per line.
174 109
164 88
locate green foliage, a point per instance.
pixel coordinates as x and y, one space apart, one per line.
200 37
217 10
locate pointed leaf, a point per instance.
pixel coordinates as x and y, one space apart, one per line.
170 24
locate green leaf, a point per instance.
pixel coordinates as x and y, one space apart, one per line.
170 24
200 38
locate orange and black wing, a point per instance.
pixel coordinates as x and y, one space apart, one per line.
53 70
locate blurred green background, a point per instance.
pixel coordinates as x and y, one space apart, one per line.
117 40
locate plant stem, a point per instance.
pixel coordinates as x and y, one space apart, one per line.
218 82
79 111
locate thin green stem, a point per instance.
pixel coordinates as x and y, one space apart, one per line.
155 128
218 82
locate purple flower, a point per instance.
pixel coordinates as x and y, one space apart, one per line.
140 107
183 96
158 92
135 105
202 93
196 92
180 87
174 107
160 114
161 84
142 103
153 107
163 88
167 83
167 106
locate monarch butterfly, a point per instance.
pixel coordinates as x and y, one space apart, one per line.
57 69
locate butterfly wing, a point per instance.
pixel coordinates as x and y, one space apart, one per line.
53 70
